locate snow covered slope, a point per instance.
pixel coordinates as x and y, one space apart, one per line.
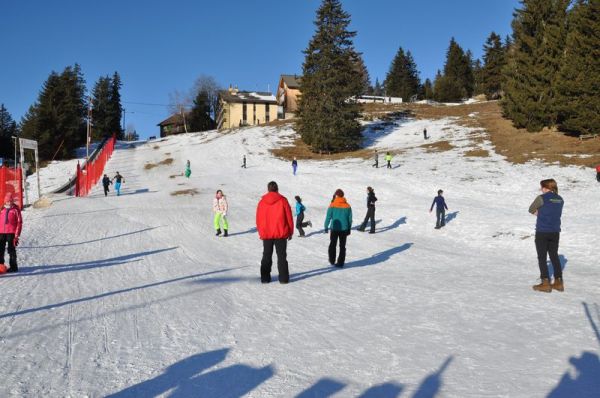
134 296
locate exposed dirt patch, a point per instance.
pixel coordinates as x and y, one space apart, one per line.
301 151
155 147
477 153
439 146
175 175
165 162
190 191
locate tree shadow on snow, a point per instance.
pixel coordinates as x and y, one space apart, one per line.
191 377
385 390
586 380
451 216
90 241
563 265
373 260
114 292
109 262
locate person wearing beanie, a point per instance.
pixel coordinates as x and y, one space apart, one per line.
339 220
275 227
371 199
440 209
300 224
11 224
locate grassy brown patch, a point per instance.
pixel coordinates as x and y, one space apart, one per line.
165 162
477 153
301 151
155 147
439 146
190 191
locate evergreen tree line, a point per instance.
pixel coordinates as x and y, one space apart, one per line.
8 128
552 75
58 119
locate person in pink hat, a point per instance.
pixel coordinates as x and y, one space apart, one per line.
10 229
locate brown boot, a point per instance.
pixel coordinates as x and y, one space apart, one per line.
545 286
558 285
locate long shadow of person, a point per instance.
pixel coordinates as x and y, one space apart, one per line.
322 389
394 225
249 231
385 390
373 260
431 385
186 379
586 382
451 216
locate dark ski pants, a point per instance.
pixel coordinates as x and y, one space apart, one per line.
300 224
370 216
598 177
389 164
267 260
440 214
376 164
333 239
105 190
546 243
8 239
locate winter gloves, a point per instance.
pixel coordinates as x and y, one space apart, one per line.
16 241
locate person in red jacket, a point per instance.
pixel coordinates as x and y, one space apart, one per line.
275 227
10 229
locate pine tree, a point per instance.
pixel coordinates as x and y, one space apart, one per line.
57 119
378 88
327 114
427 90
402 79
494 58
578 83
457 82
478 77
101 96
115 109
539 31
200 119
364 73
8 128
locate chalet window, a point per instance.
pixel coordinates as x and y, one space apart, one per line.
267 114
244 112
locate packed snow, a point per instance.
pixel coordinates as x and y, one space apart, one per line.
134 296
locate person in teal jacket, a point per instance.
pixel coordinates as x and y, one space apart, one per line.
339 219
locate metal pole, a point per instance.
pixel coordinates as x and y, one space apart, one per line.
89 126
15 158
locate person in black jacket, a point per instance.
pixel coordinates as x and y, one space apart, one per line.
105 183
371 199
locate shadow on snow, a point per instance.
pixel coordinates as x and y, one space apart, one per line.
373 260
91 241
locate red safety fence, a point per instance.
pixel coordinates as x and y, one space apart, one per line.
11 181
91 172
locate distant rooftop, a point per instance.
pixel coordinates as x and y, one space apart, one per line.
248 96
292 81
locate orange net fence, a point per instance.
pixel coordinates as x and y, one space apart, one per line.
91 173
11 181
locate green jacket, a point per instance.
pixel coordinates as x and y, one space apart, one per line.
339 215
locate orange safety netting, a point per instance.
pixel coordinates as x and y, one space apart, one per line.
92 171
11 181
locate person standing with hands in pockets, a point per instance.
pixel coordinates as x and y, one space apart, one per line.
548 207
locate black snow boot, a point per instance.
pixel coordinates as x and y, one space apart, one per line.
225 233
218 232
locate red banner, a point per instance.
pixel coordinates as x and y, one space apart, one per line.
92 172
11 181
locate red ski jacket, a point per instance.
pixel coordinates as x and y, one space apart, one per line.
598 169
274 217
11 221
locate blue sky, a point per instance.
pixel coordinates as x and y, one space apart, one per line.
162 46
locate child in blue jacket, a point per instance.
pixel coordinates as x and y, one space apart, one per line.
300 209
440 210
